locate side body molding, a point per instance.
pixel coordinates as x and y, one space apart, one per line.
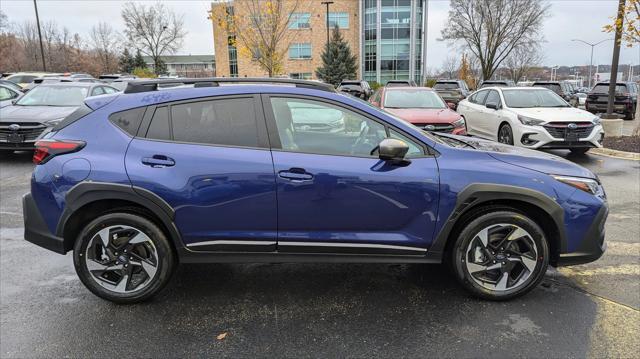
479 193
88 192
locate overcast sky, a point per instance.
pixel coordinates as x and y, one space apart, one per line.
582 19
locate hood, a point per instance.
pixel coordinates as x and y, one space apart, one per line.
555 114
424 115
523 157
18 114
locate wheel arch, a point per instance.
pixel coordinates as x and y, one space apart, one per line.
476 199
87 200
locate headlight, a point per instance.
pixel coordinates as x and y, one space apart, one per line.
585 184
53 122
529 121
596 120
458 123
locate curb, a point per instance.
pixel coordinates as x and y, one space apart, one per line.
607 152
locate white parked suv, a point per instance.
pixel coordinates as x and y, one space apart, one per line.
530 117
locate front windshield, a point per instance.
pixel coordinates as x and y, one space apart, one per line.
54 96
413 98
532 98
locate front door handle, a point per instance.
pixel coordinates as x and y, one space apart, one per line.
158 161
296 174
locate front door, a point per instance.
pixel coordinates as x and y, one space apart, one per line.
335 195
209 160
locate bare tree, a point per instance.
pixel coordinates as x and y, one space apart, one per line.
521 60
260 29
450 66
106 44
155 30
492 29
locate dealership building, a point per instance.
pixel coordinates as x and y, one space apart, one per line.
388 38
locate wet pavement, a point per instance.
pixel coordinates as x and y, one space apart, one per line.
326 310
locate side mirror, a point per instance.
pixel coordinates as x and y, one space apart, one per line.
13 102
393 150
492 105
451 105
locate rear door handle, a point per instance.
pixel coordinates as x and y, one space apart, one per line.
296 174
158 161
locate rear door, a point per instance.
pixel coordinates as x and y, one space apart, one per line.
335 195
209 160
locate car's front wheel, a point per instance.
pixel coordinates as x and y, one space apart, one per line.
123 257
505 135
500 255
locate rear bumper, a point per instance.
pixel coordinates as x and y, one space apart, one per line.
36 230
592 246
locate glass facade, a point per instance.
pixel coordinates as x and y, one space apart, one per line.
300 51
299 20
392 40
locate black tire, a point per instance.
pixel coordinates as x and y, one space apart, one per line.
579 150
630 116
459 253
505 135
165 263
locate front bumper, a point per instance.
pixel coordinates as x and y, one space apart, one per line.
546 140
593 245
36 230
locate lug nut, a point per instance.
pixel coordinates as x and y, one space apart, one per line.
494 261
503 263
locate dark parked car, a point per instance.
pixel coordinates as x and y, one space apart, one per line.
452 91
360 89
402 83
38 111
625 99
497 83
562 88
135 183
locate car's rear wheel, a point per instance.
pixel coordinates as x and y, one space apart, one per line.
505 135
579 151
123 258
500 255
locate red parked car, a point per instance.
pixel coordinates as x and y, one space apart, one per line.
420 106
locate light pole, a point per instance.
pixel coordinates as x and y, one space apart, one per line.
327 3
591 61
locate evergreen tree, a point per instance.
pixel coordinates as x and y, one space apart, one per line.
160 67
125 62
337 61
138 61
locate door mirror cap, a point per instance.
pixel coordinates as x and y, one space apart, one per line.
391 149
451 105
492 105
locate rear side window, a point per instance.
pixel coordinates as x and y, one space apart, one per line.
230 122
159 128
128 120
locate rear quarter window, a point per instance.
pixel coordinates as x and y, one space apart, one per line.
129 120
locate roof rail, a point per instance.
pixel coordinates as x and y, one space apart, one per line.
137 86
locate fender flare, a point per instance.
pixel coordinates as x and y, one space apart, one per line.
87 192
478 193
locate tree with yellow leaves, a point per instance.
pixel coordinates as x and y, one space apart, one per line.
631 21
259 29
465 72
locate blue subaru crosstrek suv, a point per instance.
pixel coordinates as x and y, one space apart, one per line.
266 170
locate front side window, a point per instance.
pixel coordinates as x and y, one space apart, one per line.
415 150
299 20
409 98
54 96
478 97
300 51
317 127
493 97
97 91
340 19
230 122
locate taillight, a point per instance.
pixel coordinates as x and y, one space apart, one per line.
47 149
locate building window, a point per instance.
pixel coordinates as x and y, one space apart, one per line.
233 56
300 51
341 19
299 20
300 75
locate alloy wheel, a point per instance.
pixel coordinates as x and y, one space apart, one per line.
121 259
501 257
504 136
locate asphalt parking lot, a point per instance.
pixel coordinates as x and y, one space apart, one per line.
324 310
